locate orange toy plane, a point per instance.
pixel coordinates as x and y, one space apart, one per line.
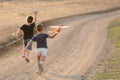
55 28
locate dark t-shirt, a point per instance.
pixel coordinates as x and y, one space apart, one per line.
28 30
41 40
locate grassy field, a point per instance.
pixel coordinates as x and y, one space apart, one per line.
13 13
110 69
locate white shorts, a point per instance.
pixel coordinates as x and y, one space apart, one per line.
41 51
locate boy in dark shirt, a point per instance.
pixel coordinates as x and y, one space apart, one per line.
41 39
28 31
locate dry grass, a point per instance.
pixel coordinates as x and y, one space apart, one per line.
110 69
13 13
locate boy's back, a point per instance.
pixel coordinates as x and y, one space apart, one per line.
28 30
41 39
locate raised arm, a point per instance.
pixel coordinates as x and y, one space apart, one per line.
35 17
18 33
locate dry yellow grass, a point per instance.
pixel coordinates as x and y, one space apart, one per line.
13 13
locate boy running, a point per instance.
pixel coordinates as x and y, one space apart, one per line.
41 39
28 31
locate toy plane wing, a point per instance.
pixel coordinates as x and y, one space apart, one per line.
59 26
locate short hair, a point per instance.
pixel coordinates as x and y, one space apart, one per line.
40 27
29 19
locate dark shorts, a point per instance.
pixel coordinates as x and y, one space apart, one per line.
25 43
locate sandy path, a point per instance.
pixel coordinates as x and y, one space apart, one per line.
70 54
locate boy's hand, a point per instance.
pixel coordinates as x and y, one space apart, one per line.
25 50
59 29
35 12
16 37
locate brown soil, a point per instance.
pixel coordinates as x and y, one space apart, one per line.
70 54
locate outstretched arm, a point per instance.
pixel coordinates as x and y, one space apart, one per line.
18 33
29 43
55 33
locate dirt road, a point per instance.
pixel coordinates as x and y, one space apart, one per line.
70 54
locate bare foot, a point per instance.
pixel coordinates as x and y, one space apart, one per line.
23 56
27 60
38 72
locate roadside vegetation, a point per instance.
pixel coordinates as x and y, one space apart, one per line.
111 66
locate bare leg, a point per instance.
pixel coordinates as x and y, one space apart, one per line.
42 60
23 55
38 59
26 55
